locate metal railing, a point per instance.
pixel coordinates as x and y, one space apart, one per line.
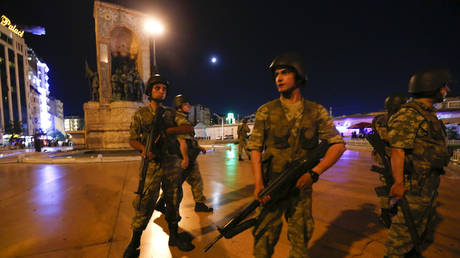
357 142
364 143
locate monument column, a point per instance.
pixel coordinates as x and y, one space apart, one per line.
122 68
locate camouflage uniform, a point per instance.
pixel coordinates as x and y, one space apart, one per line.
379 124
164 171
286 131
416 129
192 174
243 130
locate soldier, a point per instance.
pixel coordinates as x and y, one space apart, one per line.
416 133
285 130
243 130
379 124
189 149
163 169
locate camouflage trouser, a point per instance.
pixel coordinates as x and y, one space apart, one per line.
192 176
422 205
298 214
167 178
143 207
242 147
170 184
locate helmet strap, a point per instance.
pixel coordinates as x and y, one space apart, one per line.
157 100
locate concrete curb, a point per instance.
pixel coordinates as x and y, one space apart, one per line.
79 160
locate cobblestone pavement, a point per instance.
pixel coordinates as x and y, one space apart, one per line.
84 210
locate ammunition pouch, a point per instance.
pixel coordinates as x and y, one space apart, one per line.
193 149
308 142
281 142
172 146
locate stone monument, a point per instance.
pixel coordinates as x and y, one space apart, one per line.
122 67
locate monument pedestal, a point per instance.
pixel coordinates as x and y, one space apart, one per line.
107 125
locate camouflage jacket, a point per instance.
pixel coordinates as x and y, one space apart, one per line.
243 130
182 119
285 140
416 129
142 123
193 148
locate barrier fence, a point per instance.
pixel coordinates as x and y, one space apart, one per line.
364 143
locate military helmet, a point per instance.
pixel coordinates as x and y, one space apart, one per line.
179 100
290 60
394 101
429 80
155 79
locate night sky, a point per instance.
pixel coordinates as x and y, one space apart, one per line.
357 52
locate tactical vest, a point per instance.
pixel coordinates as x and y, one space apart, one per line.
193 148
280 144
430 147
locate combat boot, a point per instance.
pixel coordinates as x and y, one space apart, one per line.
385 217
175 239
161 205
413 253
201 207
132 250
240 158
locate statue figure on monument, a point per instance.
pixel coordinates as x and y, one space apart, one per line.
116 86
93 80
125 83
130 79
138 86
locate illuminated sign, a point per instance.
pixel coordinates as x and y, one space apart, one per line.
7 23
230 118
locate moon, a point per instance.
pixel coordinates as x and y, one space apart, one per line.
213 60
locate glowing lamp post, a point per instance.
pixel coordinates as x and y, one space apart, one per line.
221 118
154 28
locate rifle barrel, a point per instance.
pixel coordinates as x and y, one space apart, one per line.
212 243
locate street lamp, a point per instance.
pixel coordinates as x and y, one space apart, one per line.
154 28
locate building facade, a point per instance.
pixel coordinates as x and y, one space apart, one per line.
38 94
14 88
199 114
56 112
73 123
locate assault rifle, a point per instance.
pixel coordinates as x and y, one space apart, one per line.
153 143
379 146
152 140
277 189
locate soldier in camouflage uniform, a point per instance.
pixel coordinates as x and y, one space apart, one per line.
163 169
189 149
285 130
416 133
243 130
379 124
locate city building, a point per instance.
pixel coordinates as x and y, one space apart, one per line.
38 94
448 111
56 112
199 113
14 88
215 132
73 123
